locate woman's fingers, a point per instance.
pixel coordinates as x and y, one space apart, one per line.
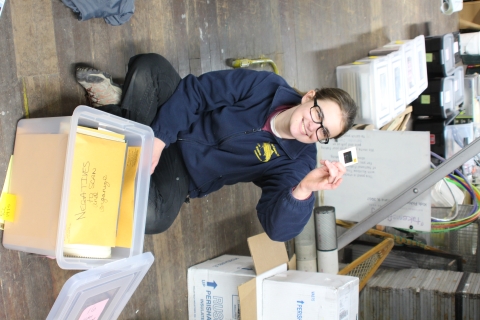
335 169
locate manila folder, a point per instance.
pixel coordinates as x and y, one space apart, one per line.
37 180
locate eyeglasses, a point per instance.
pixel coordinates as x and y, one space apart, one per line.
317 117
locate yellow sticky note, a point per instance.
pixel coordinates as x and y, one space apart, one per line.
125 219
6 187
8 203
425 99
95 186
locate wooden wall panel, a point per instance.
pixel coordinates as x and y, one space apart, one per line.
34 37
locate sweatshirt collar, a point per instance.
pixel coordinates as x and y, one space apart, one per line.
286 96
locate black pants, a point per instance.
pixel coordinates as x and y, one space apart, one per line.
149 82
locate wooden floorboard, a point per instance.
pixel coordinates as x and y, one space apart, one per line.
42 41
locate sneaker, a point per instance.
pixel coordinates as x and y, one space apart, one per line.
101 90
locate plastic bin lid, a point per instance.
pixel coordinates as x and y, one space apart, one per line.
102 292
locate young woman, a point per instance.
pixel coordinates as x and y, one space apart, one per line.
225 127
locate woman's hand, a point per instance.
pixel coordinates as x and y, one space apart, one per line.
327 177
158 146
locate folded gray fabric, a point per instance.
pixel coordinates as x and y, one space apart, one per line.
114 12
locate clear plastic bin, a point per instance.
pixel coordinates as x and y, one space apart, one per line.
471 105
414 64
136 135
395 80
103 292
368 83
457 137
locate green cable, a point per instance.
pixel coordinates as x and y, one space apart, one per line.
439 223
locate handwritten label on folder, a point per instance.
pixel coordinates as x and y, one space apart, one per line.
96 182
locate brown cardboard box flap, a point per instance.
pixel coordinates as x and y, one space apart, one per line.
266 254
247 294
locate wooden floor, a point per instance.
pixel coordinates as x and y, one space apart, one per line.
41 41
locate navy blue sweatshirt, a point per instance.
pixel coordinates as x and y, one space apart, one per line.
216 119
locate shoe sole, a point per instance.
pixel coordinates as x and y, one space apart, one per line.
90 75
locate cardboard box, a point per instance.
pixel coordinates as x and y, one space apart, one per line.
310 295
218 287
469 16
229 288
213 287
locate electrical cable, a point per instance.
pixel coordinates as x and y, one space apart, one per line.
440 225
463 177
455 204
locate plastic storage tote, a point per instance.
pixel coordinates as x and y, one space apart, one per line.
135 135
437 100
396 81
368 83
440 55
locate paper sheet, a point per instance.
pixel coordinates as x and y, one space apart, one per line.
125 219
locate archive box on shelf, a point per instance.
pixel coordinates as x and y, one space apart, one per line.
438 100
368 83
414 64
42 232
440 55
395 81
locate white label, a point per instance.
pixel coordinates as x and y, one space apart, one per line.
455 47
447 54
446 95
94 311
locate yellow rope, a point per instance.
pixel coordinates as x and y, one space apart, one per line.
25 99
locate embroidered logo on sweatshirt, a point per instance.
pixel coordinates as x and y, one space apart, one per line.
265 151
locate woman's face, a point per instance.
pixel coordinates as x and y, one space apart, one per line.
302 126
